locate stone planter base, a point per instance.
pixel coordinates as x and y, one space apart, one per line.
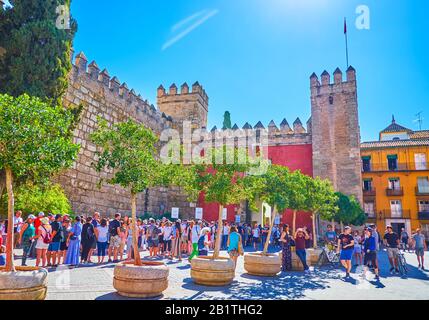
212 272
257 264
27 283
146 281
313 255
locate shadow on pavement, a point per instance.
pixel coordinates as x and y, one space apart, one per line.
116 296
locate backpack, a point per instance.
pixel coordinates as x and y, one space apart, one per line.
47 238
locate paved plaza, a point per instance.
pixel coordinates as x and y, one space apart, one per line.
94 282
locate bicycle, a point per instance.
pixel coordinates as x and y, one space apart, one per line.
329 255
402 262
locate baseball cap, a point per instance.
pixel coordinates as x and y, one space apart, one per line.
31 216
41 214
347 228
389 227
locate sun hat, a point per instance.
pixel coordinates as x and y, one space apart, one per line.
31 217
41 214
205 229
44 220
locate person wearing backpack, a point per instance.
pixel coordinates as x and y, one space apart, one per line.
57 238
204 242
88 239
44 238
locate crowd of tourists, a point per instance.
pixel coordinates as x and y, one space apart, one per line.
60 239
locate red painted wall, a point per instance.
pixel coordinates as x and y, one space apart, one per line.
295 157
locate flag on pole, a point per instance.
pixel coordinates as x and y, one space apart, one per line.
345 26
347 42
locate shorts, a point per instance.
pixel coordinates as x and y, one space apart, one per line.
153 243
420 252
54 246
370 257
115 241
94 245
233 253
167 245
346 254
392 253
358 250
63 246
255 240
404 240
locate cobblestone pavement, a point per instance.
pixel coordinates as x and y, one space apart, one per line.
94 282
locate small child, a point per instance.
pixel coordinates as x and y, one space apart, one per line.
2 255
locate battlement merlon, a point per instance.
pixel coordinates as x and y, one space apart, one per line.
325 84
197 89
92 78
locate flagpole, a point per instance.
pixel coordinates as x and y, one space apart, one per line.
347 42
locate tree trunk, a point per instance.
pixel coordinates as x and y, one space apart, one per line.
294 222
219 234
137 259
10 209
314 230
267 242
341 226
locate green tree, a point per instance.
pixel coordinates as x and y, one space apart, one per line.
129 150
35 143
321 200
227 120
297 194
221 177
31 198
273 188
349 210
35 50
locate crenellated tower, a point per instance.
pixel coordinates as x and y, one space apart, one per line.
336 132
185 106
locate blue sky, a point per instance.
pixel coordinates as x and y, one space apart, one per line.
254 57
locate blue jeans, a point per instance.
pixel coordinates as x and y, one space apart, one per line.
101 248
302 255
224 241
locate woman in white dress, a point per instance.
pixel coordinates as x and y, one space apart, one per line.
44 235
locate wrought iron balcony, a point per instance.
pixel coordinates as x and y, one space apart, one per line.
396 214
397 192
369 192
398 167
421 191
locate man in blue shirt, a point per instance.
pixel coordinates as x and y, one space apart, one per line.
370 250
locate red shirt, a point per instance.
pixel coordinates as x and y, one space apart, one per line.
37 224
300 243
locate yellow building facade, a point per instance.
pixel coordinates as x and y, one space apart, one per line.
395 176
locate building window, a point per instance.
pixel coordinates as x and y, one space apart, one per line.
396 208
394 184
425 230
369 209
366 164
423 206
423 184
367 185
420 161
392 161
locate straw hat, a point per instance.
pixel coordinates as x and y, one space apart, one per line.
44 220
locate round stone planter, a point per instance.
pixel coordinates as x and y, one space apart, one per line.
313 256
212 272
27 283
258 264
146 281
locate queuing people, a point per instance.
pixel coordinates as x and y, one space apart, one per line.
419 243
123 237
57 238
2 256
101 233
346 244
167 238
195 237
44 237
301 236
255 236
177 240
286 242
63 246
203 242
115 239
17 224
225 233
87 240
73 243
153 238
26 238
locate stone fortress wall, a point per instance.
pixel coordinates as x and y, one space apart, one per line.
104 96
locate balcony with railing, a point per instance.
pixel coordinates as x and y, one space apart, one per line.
397 167
369 192
395 192
422 191
396 214
424 215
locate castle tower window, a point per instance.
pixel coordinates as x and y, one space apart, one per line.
331 100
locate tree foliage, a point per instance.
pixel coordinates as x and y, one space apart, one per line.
349 210
30 198
36 53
